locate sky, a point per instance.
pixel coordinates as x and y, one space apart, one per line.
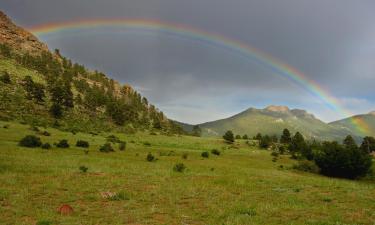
331 42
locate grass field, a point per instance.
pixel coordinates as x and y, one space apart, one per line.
241 186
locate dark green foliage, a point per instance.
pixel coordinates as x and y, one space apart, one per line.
33 90
342 161
265 142
299 148
150 157
306 166
56 110
179 167
185 155
349 142
368 144
113 139
238 136
245 137
117 111
215 152
83 169
82 144
197 131
205 154
146 143
229 137
258 137
122 146
63 144
107 147
46 146
5 78
30 141
286 137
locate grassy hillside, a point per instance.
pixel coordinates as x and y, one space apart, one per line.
241 186
272 122
346 124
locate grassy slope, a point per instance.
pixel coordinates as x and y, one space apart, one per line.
244 187
347 124
253 121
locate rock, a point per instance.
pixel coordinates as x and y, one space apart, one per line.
18 38
65 210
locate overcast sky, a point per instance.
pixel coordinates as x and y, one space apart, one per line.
331 41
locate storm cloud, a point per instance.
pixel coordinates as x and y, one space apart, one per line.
331 42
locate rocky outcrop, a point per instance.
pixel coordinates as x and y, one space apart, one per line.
18 38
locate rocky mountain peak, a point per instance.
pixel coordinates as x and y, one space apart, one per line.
275 108
18 38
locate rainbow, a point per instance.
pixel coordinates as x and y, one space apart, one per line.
209 39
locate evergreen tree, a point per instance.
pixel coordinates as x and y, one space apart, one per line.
245 137
285 137
265 142
228 136
349 142
258 137
368 144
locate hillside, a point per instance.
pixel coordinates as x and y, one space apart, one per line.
46 89
346 124
272 120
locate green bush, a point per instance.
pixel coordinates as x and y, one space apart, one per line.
83 169
30 141
229 136
63 144
146 143
150 157
185 155
107 147
82 144
46 146
215 152
122 146
205 154
343 161
306 166
44 222
179 167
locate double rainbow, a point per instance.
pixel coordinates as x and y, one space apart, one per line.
210 39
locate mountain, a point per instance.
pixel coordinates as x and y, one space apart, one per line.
43 88
272 120
367 119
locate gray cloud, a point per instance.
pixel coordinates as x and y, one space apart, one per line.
332 42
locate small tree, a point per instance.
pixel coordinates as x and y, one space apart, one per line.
245 137
197 131
229 137
298 147
258 137
285 137
349 142
56 110
368 144
238 136
265 142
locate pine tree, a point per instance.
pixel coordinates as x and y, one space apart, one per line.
229 137
285 137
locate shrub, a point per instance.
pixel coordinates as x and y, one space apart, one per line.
6 126
146 143
179 167
274 154
5 78
205 154
113 139
46 146
338 161
83 169
82 144
238 136
63 144
229 137
150 157
30 141
265 142
185 155
107 147
122 146
215 152
306 166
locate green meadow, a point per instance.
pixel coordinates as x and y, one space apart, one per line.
240 186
